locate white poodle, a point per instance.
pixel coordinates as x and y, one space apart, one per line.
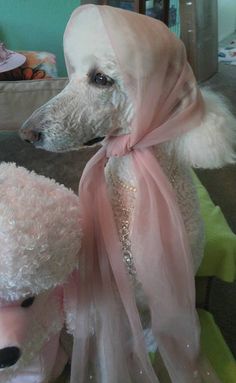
129 76
40 241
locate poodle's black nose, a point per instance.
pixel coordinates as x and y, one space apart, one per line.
30 136
9 356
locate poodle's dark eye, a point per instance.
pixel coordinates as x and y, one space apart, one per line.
101 79
27 302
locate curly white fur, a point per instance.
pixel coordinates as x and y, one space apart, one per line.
212 144
39 232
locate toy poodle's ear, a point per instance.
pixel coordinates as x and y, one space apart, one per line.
212 144
71 301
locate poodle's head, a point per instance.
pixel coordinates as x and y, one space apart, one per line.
128 70
94 103
40 240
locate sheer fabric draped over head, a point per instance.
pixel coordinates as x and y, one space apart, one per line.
109 345
159 79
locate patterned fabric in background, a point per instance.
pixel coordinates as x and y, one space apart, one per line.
227 54
38 66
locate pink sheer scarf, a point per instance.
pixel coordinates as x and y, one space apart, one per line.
109 344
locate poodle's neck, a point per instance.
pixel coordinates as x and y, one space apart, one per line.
121 168
122 189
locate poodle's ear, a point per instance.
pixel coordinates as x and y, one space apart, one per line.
212 144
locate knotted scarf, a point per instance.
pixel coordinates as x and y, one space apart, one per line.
109 343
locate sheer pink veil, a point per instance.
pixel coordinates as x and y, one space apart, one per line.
109 344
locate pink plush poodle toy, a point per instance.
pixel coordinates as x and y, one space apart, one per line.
40 240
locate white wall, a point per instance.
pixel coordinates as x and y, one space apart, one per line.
226 18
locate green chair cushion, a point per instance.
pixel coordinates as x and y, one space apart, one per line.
215 348
220 242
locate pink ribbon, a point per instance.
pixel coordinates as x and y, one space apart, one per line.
109 343
108 319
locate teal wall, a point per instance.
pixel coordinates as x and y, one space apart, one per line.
36 25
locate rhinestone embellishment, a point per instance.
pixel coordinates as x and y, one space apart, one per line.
123 200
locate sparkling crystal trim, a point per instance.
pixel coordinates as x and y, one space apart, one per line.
123 200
